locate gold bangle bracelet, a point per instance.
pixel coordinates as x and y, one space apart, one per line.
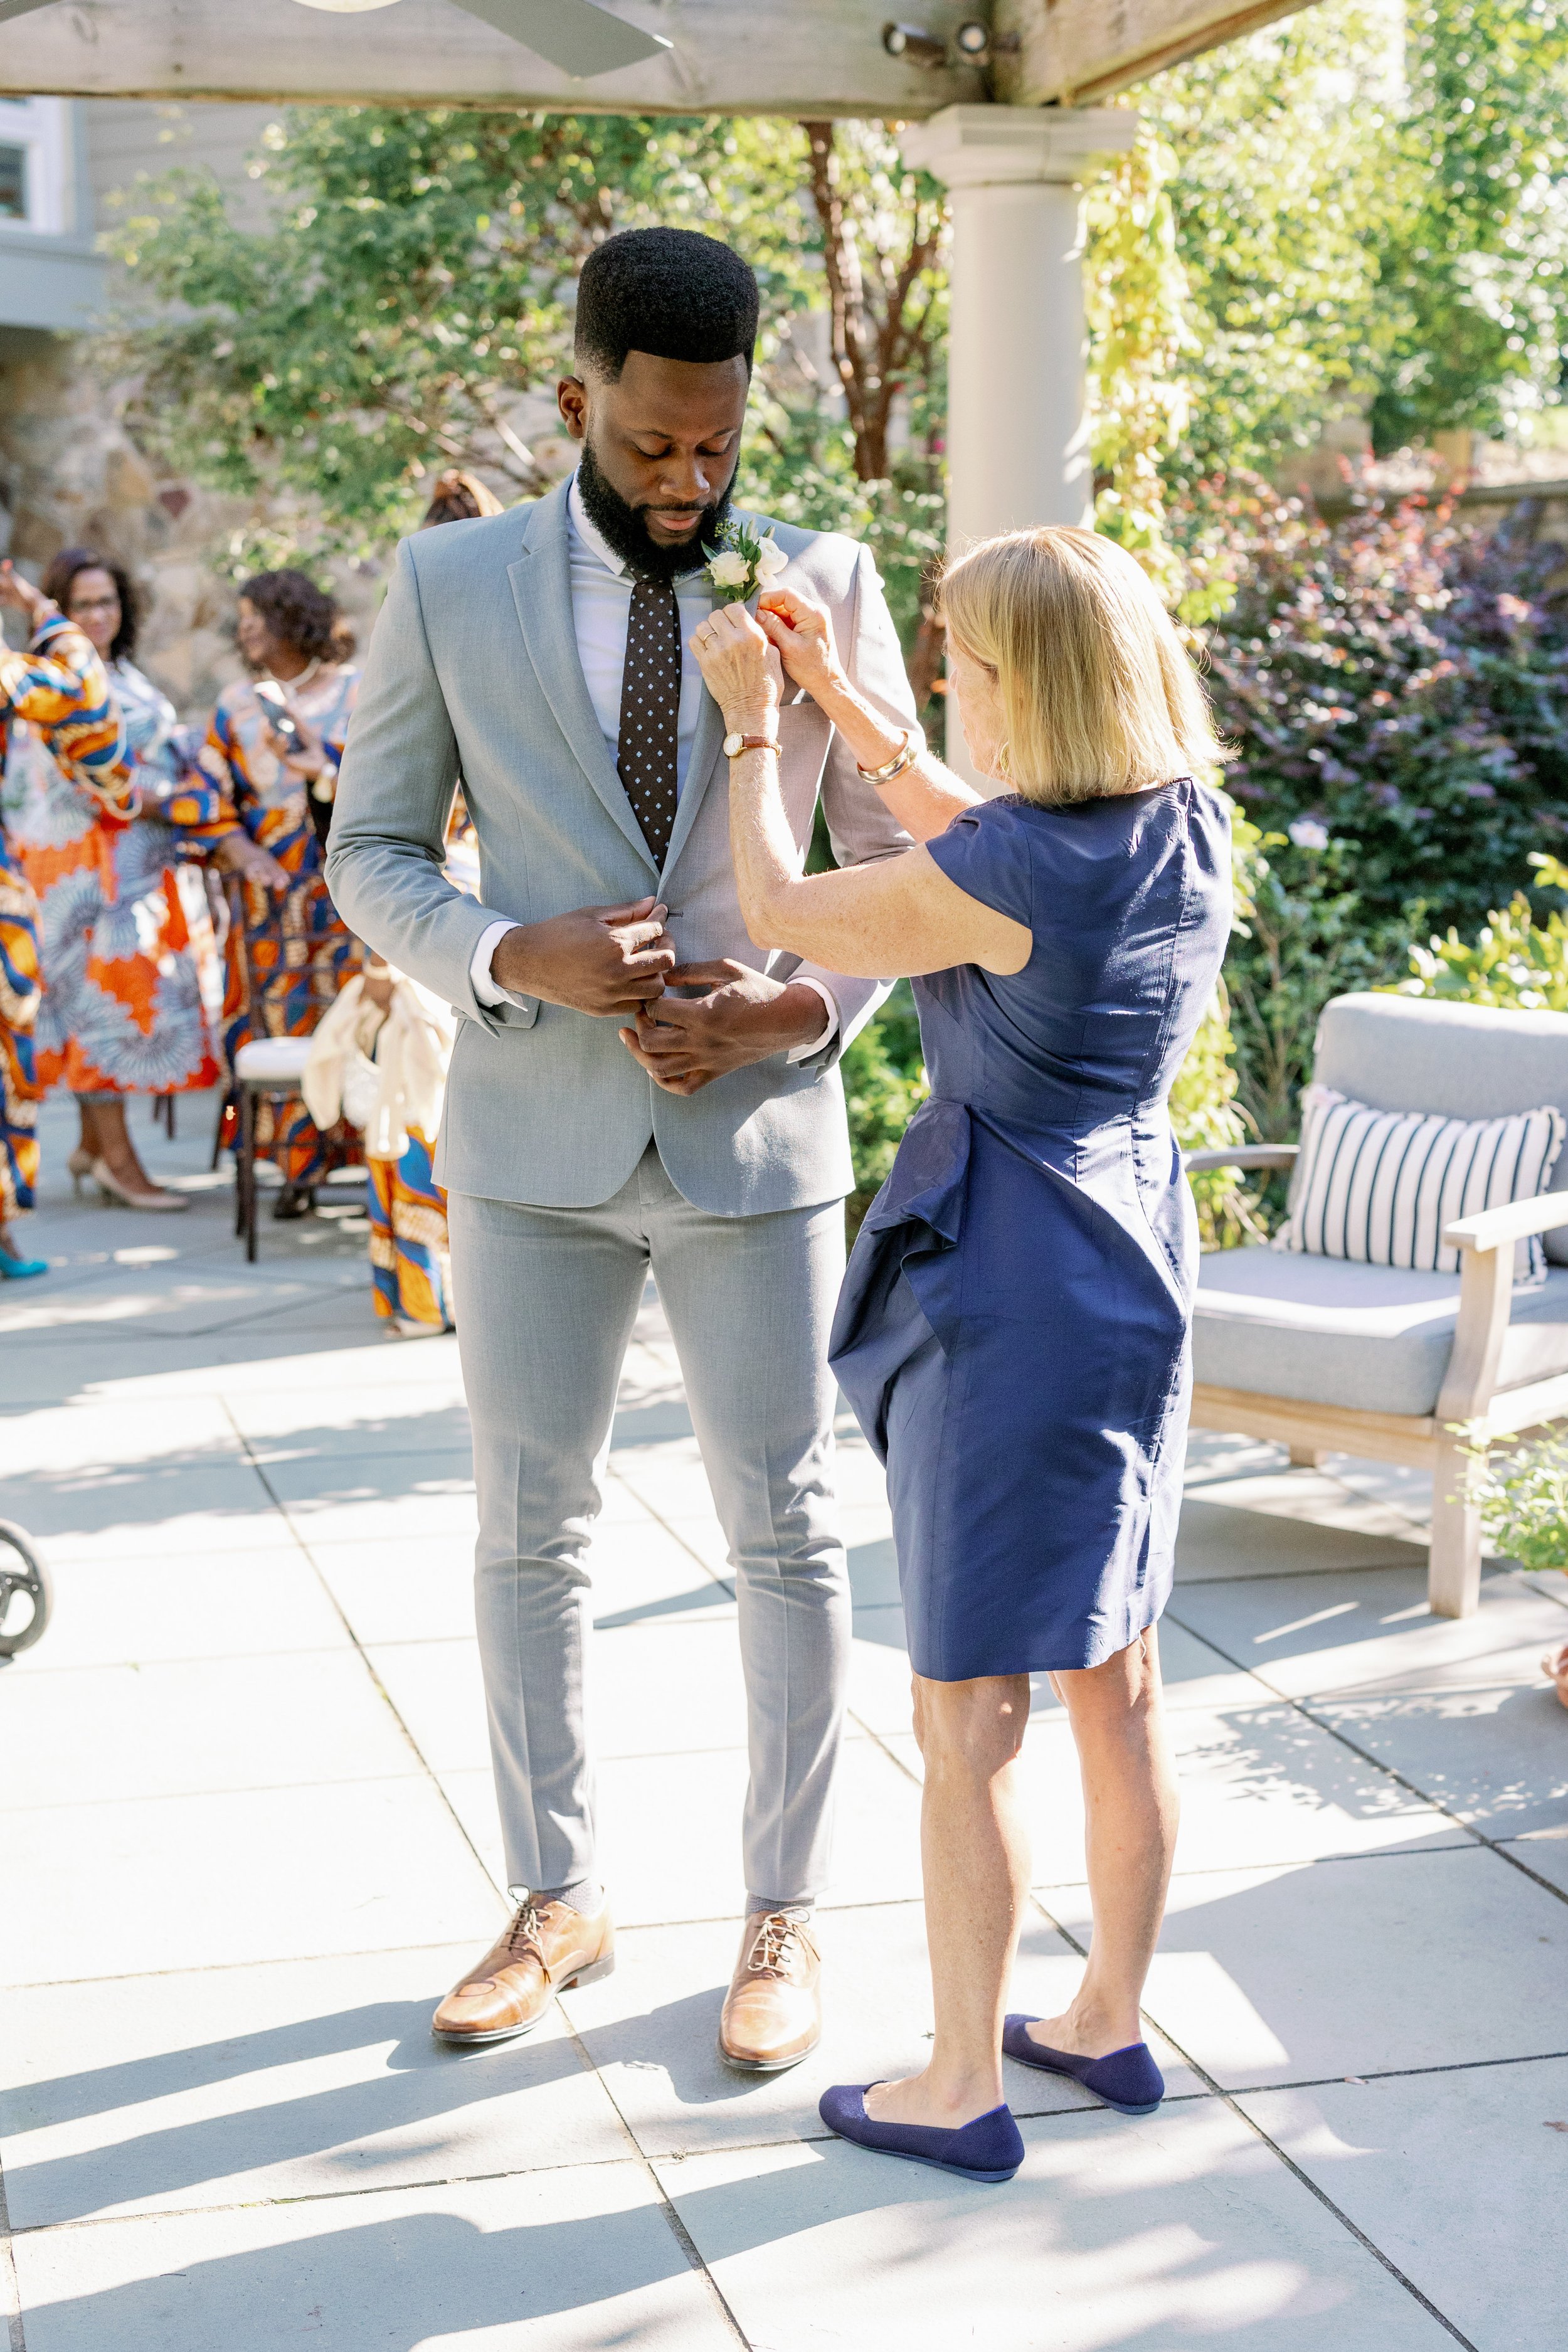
895 766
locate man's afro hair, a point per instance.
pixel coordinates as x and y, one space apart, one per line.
667 291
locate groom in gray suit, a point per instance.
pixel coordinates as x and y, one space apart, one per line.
597 1123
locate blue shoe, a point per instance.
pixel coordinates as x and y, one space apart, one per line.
17 1269
989 2148
1127 2080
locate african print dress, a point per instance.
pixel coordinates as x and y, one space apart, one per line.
410 1262
384 1070
122 1010
60 691
291 955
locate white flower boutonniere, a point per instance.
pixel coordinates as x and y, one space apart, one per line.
742 562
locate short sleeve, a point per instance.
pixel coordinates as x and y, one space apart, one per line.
986 851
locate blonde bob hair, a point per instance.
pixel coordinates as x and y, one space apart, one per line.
1097 692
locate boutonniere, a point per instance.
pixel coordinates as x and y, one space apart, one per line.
742 562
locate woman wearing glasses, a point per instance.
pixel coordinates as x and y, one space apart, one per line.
120 938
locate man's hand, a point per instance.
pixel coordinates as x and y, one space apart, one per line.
741 1016
595 960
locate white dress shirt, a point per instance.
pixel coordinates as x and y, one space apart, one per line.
601 608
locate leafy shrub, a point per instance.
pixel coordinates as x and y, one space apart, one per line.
1522 1496
1206 1115
1517 959
884 1085
1398 682
1303 935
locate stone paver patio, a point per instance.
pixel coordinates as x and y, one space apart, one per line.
250 1838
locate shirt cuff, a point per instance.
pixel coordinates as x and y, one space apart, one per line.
805 1052
485 986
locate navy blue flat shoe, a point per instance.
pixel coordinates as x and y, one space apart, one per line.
1127 2080
990 2148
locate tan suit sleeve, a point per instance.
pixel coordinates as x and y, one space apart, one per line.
860 824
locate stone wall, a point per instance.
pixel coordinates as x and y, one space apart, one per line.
71 475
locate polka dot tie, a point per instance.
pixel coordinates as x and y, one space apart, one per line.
650 711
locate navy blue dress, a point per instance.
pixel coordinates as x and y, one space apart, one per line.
1014 1330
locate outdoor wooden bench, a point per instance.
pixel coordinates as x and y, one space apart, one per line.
1327 1355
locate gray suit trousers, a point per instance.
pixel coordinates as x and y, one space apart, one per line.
546 1299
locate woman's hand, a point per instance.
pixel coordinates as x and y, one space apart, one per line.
740 669
235 853
379 980
303 757
23 597
801 631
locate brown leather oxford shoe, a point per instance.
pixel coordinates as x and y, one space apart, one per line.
773 2012
539 1955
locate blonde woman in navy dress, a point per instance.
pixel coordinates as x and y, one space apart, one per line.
1013 1331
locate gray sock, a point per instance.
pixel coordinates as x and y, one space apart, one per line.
584 1894
756 1904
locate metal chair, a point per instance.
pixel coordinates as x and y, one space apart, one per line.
266 1069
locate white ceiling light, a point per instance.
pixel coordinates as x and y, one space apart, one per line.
345 7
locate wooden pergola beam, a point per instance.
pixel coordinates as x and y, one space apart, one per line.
756 57
760 56
1080 52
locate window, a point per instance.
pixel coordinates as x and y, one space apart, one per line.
12 183
37 165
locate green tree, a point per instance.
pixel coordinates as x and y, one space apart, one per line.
1473 263
414 276
877 272
1370 204
1137 303
1280 179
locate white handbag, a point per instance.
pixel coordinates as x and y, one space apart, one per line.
361 1088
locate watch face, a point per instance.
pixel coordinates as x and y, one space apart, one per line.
732 745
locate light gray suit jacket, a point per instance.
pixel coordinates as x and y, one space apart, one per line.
474 674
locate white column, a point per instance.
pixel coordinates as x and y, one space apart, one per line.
1018 447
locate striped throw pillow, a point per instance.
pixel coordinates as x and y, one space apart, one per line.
1380 1185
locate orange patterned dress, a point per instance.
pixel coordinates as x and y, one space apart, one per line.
291 955
122 1010
59 690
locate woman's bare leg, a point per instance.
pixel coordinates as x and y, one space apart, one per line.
1555 1664
111 1142
974 1855
1131 1810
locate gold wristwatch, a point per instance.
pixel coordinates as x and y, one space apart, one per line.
735 744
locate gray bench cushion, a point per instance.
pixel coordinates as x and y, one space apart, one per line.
1371 1338
1466 1061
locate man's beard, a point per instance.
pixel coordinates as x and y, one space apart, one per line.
627 534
